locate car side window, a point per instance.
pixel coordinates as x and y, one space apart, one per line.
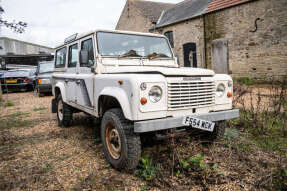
61 58
88 45
73 56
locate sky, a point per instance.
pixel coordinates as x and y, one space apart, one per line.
51 21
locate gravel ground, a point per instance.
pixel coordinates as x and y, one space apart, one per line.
35 154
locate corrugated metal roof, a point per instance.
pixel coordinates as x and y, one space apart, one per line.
222 4
183 11
152 10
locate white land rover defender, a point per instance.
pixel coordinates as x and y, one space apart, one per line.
134 85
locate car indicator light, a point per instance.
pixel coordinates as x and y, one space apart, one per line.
229 94
143 101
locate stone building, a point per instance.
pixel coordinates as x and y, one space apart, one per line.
14 53
239 37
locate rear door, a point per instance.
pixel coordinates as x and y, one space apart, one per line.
85 76
71 74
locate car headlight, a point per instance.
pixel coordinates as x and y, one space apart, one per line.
44 81
155 94
220 90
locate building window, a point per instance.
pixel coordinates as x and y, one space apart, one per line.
61 58
169 35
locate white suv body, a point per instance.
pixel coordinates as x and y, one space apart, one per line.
137 74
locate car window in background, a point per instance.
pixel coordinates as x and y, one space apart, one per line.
61 58
46 67
16 73
88 45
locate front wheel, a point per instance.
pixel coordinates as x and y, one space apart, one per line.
64 113
122 147
218 132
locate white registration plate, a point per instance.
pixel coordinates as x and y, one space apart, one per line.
198 123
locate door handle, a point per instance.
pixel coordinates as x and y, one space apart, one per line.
78 81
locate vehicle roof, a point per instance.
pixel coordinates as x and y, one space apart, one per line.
82 35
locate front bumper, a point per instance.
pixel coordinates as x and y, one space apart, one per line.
174 122
45 88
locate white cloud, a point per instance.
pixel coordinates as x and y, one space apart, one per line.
50 21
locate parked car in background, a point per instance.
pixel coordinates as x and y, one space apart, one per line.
43 77
2 72
18 80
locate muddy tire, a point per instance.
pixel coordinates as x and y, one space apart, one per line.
64 113
122 147
218 132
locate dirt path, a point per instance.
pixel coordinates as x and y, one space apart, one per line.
35 154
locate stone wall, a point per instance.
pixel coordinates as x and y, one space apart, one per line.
258 53
186 32
132 19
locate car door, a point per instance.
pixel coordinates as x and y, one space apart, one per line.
71 74
85 76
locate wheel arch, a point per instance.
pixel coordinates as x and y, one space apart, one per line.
114 98
60 89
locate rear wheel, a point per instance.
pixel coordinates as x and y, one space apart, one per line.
122 147
64 113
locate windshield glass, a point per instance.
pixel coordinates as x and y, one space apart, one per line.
129 45
46 67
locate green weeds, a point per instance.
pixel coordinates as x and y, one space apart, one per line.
245 81
147 170
39 109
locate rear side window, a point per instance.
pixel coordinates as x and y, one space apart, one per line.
61 58
73 56
88 45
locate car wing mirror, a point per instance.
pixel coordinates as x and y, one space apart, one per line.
84 57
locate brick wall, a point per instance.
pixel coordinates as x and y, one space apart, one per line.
133 20
260 53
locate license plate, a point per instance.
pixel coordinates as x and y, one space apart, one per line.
198 123
11 81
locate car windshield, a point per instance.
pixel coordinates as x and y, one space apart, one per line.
16 73
46 67
130 45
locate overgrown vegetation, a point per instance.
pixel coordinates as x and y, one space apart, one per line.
244 81
260 128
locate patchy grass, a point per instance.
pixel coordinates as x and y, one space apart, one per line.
15 120
245 81
10 104
40 109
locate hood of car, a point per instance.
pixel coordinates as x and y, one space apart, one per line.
184 71
45 75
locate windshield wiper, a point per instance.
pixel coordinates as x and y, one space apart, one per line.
131 53
156 55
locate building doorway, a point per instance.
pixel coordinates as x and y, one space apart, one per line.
189 53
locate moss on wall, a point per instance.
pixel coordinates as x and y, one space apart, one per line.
211 33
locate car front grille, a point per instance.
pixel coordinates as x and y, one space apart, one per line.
190 94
